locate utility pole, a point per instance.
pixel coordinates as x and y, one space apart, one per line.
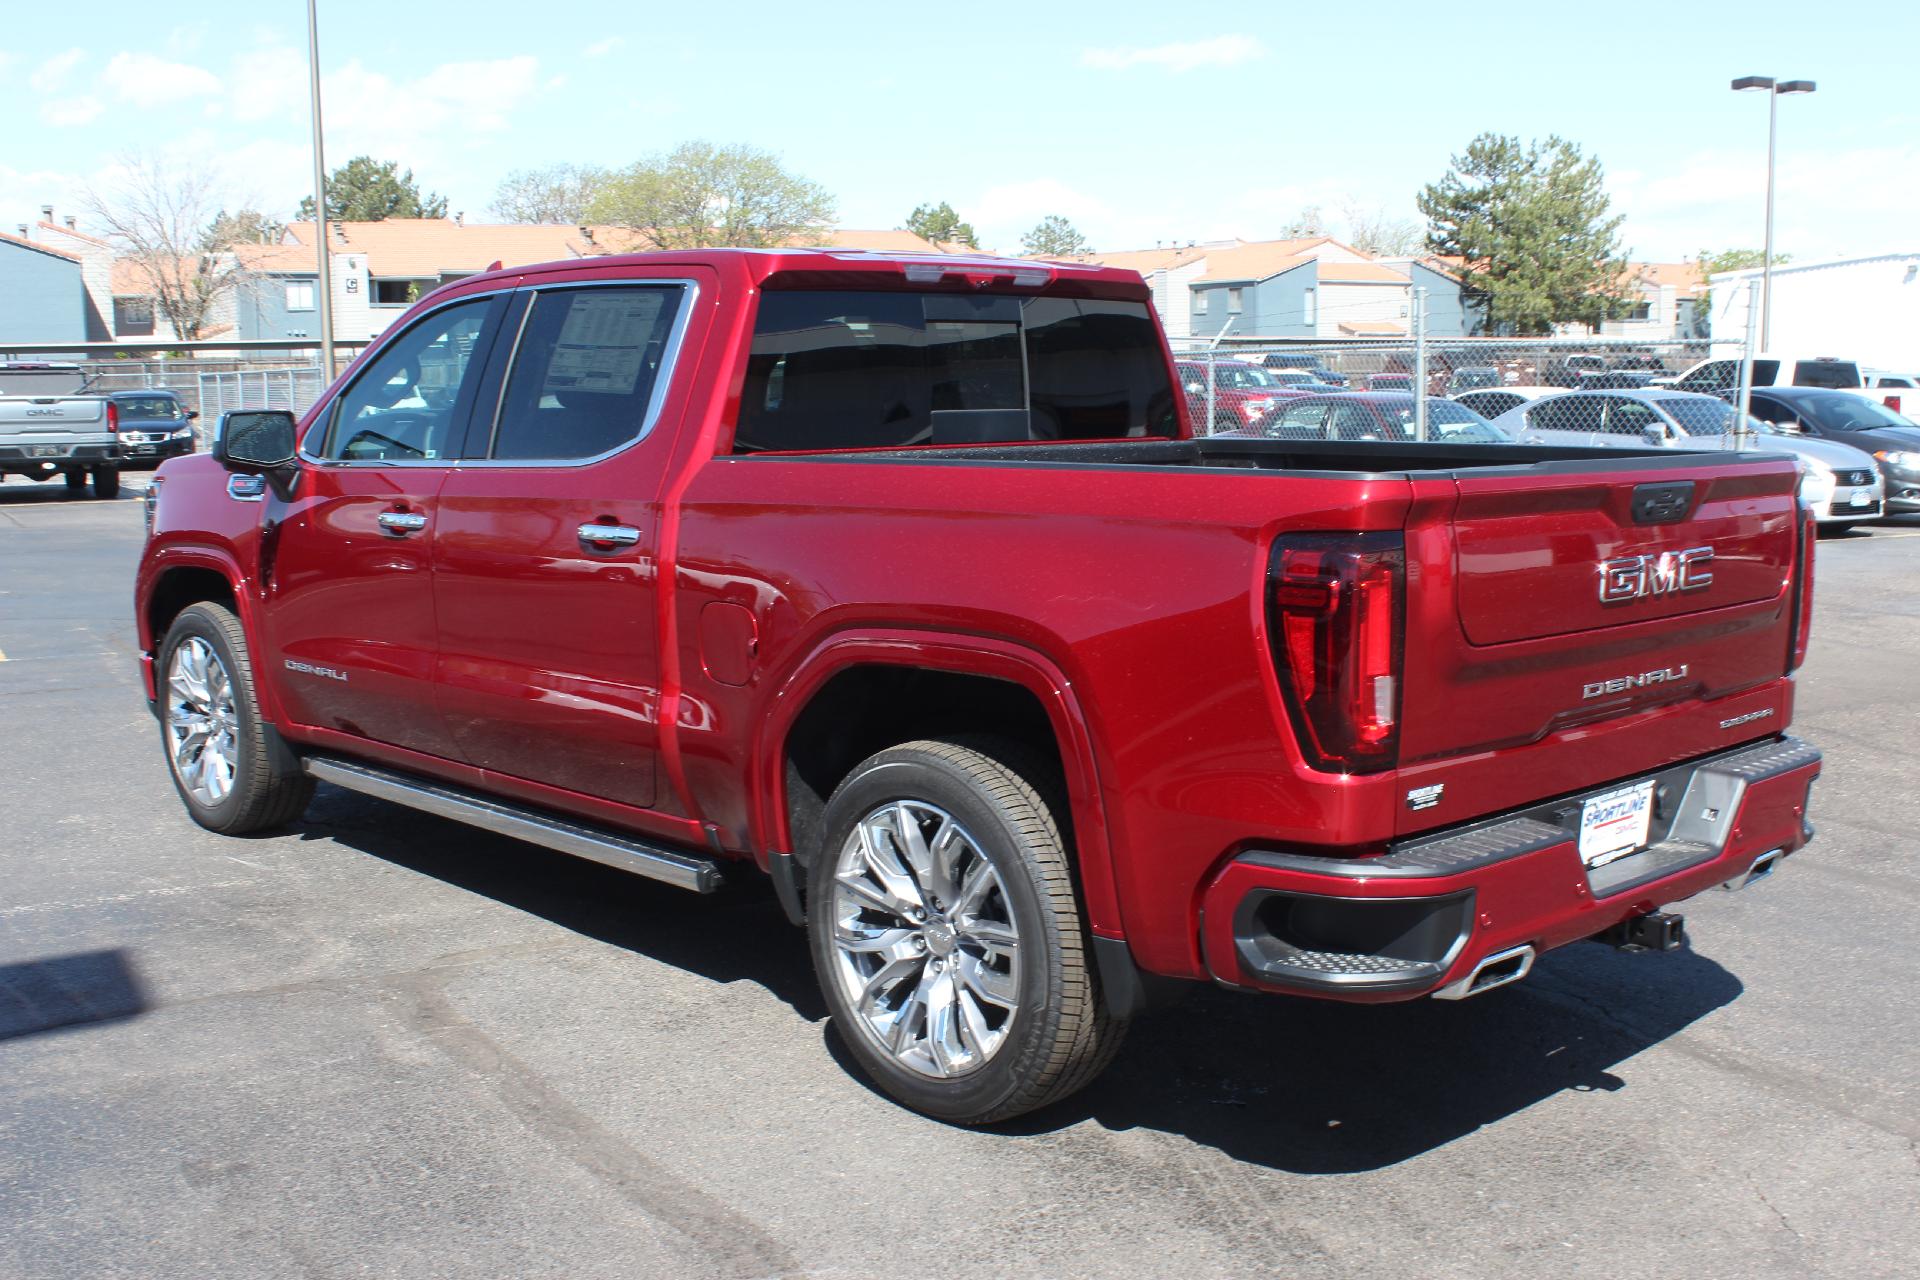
320 200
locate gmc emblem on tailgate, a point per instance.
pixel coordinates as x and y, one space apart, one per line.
1632 577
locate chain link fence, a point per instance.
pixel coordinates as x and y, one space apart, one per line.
213 386
1363 389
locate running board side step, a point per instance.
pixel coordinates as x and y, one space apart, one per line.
623 852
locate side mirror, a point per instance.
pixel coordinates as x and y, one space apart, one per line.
192 414
259 442
1655 433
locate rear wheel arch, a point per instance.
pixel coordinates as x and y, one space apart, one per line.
862 696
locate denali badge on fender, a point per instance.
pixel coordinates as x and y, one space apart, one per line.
1620 684
1631 577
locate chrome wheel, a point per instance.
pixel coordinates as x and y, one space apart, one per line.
202 727
926 951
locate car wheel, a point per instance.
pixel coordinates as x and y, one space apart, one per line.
76 482
233 776
106 483
947 937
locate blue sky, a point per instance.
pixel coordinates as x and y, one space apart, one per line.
1139 122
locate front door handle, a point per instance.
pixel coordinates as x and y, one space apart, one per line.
602 536
402 523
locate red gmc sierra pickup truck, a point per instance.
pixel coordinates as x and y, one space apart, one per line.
905 581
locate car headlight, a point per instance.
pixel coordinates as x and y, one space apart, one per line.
1254 408
1898 457
1816 485
180 434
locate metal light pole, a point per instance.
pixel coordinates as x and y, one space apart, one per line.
320 199
1773 89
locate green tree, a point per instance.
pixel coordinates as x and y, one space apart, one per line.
1531 222
248 226
559 195
1712 264
939 223
1054 237
368 190
700 195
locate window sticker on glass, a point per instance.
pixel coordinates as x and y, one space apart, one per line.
602 344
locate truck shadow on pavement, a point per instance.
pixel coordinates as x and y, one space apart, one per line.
1305 1086
1314 1087
738 934
84 989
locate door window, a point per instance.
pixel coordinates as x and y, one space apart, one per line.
405 405
1629 418
587 372
1352 422
1574 413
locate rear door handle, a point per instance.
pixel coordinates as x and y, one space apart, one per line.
601 536
402 522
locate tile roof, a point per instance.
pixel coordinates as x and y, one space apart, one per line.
44 225
49 250
1264 259
285 259
1686 277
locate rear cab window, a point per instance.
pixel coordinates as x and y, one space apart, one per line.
871 369
1832 374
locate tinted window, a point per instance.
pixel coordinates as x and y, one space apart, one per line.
584 371
878 369
1302 420
1574 413
1630 418
401 407
1824 373
150 408
1492 404
1701 417
1356 422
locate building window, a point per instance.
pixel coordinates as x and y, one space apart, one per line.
1233 302
398 293
132 317
1641 310
1307 302
299 295
1200 302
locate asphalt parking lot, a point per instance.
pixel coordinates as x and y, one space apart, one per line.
383 1044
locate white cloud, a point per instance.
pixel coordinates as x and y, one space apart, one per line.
269 84
1221 51
144 78
601 48
53 72
472 97
69 112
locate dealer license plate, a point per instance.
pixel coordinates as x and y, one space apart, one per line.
46 451
1616 824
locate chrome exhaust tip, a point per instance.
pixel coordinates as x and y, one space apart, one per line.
1763 866
1497 970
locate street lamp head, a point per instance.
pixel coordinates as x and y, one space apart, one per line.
1794 86
1753 82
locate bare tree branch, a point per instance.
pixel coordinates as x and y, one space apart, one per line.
158 216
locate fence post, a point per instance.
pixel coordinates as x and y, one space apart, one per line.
1209 427
1419 310
1743 404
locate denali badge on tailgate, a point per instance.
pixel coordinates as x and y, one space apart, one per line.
1631 577
1620 684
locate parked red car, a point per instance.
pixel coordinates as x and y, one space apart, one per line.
1231 394
905 582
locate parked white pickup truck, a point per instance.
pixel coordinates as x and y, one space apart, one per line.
48 428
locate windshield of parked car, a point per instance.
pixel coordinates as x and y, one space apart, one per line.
1446 420
1839 411
151 409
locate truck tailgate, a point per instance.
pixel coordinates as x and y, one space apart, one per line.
1561 595
25 417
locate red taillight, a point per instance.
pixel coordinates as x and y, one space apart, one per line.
113 416
1892 402
1336 609
1803 588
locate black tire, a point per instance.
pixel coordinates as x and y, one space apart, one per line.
1061 1035
269 789
76 482
106 483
